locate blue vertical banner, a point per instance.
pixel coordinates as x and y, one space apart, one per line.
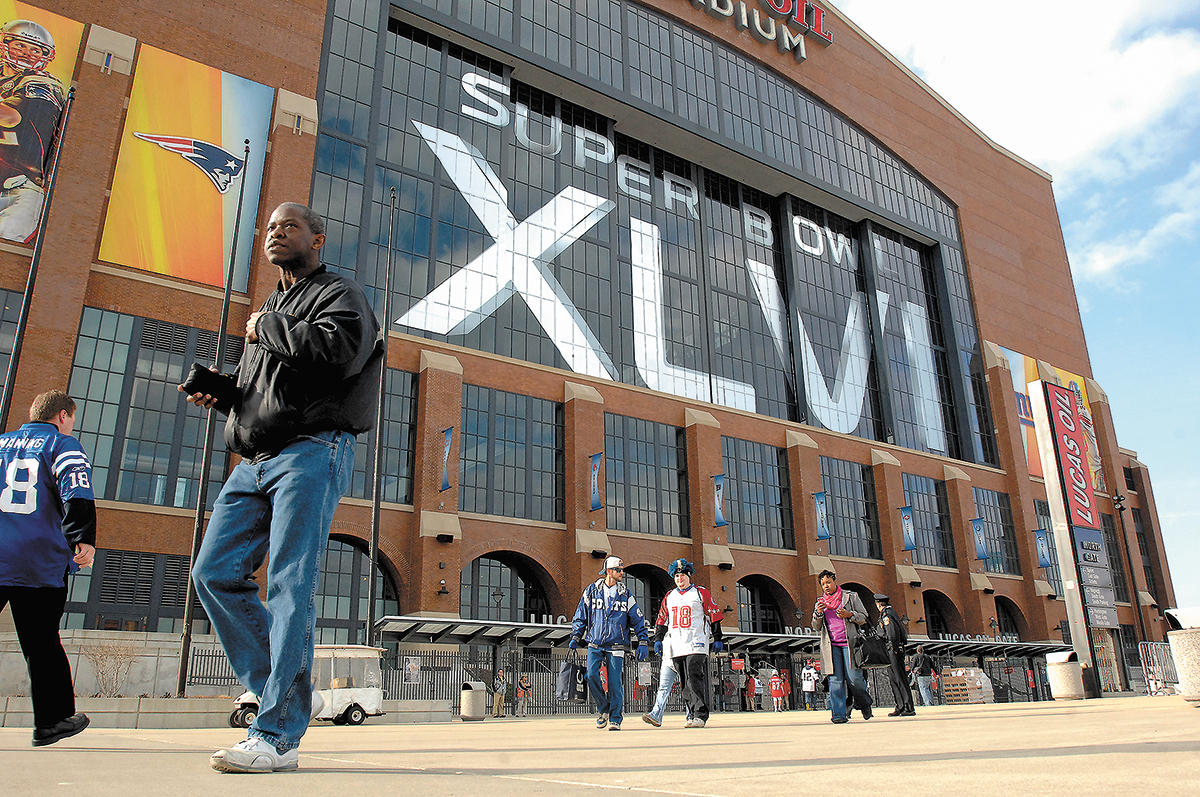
596 459
1043 547
822 517
906 524
718 498
980 540
449 432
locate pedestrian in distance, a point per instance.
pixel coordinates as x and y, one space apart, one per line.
607 612
838 614
307 383
775 684
808 685
47 531
897 639
499 690
523 695
922 667
688 621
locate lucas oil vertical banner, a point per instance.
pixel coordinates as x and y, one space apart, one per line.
174 197
822 516
906 525
38 51
596 460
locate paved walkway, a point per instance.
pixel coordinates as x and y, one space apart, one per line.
1114 746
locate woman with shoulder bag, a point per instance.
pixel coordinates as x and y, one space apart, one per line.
839 614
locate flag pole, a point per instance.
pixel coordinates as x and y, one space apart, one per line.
210 426
23 319
377 491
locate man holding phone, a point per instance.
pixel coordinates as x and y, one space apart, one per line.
306 385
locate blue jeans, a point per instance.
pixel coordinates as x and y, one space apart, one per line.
925 685
666 679
606 702
837 684
281 507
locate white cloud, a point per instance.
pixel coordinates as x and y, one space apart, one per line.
1072 86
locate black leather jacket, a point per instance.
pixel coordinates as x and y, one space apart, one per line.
315 368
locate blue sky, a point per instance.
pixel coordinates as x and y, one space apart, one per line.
1105 96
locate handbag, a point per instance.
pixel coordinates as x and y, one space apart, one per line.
869 650
571 685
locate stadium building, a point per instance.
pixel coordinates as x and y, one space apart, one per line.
713 279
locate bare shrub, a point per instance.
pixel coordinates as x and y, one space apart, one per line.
111 661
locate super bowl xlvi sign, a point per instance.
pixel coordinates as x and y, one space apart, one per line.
784 23
522 251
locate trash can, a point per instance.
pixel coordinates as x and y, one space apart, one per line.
474 701
1065 675
1185 650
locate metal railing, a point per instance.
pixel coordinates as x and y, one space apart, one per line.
1158 666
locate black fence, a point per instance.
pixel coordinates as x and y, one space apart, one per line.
440 675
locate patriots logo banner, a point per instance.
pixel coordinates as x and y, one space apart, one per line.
180 170
220 166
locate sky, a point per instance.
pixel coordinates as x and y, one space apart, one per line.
1105 96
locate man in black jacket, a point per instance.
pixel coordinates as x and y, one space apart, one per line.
306 385
897 638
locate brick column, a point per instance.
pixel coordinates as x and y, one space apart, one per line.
804 476
587 530
710 543
977 604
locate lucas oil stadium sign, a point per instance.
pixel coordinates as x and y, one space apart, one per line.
784 23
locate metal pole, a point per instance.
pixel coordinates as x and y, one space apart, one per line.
10 377
210 427
377 487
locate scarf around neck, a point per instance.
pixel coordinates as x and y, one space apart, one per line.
832 602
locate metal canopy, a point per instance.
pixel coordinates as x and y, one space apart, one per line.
452 631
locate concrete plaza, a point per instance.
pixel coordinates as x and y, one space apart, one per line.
1112 746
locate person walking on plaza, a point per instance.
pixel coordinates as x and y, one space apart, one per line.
47 530
308 382
607 612
922 665
776 687
688 621
666 681
523 689
808 685
750 691
499 691
838 614
897 638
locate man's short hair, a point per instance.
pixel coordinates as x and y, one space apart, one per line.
48 405
829 573
314 220
920 648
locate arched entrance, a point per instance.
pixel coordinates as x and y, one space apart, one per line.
342 591
502 586
649 585
758 609
941 615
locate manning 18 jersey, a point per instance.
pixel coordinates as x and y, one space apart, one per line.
687 615
39 470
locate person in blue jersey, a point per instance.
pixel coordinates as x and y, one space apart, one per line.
47 530
607 612
307 383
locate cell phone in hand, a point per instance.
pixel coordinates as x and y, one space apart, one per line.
202 380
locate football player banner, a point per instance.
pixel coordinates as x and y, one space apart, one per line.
980 540
38 51
906 525
173 206
719 498
822 516
596 459
1043 547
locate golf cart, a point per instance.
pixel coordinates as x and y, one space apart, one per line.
346 676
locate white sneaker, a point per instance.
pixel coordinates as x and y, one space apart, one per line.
254 755
694 723
318 705
602 721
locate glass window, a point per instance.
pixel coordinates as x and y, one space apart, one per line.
931 521
503 587
8 328
511 455
758 613
1116 558
1053 572
343 593
143 438
645 476
999 533
1144 549
758 498
399 444
851 509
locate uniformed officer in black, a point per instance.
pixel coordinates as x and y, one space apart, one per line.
893 631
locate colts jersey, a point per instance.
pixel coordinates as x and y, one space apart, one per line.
687 616
39 470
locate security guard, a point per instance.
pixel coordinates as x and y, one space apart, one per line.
897 637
